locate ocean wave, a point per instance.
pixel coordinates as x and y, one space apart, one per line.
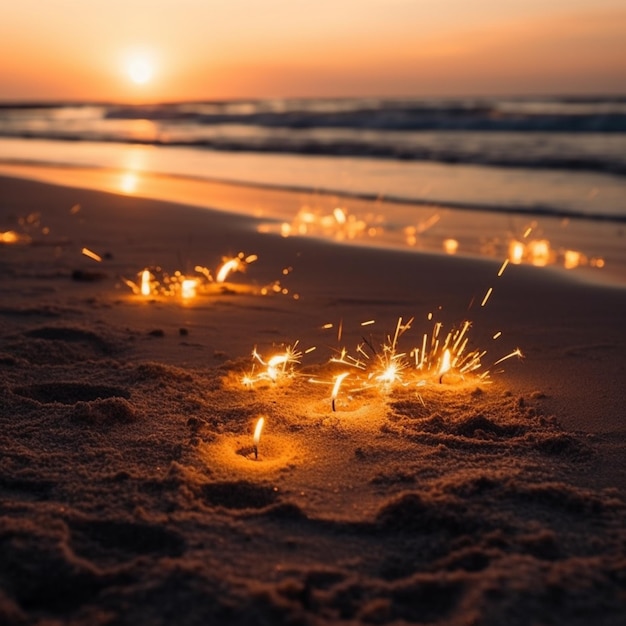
398 118
568 134
529 152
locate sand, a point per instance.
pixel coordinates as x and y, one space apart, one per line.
129 488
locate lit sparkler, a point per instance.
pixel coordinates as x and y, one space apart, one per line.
146 286
333 395
445 365
236 264
156 282
277 367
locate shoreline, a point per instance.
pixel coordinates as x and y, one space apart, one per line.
590 250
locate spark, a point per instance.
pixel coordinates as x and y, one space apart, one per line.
489 292
92 255
517 352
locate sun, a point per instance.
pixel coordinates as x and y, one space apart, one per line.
140 70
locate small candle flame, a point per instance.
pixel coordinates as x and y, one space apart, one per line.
257 436
188 288
146 288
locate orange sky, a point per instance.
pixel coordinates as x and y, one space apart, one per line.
199 49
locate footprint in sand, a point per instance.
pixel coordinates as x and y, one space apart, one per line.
61 344
69 393
238 495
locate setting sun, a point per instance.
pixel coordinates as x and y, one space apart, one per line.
140 70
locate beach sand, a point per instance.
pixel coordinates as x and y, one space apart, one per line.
129 491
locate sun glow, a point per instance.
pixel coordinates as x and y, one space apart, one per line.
140 70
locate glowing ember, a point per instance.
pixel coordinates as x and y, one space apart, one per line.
572 259
11 236
257 436
450 246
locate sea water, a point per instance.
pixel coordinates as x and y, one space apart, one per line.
539 158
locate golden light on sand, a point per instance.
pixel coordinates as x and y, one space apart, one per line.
128 182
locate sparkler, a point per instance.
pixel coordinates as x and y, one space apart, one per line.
157 283
146 288
277 367
188 288
445 365
338 381
236 264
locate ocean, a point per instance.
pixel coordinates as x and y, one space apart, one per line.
558 158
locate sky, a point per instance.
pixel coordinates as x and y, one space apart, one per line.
166 50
